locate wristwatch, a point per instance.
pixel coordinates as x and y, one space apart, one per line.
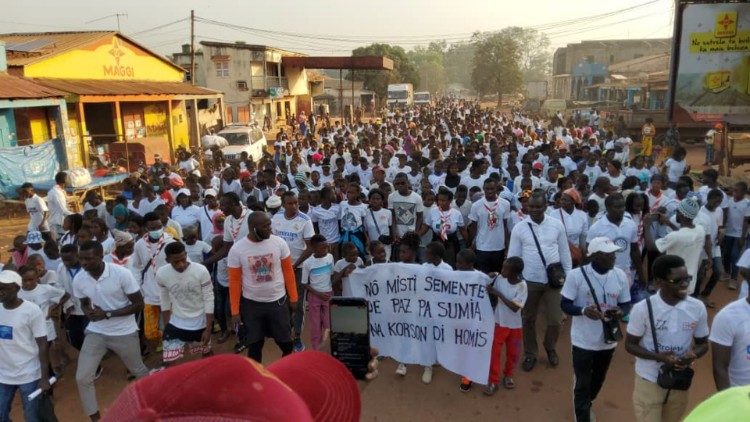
108 315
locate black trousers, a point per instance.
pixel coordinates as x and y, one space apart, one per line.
590 368
75 327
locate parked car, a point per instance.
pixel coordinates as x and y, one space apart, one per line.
241 137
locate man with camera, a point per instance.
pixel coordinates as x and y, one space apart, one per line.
596 295
678 325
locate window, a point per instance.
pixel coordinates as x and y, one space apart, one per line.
242 85
222 69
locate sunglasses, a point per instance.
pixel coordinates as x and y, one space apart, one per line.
679 280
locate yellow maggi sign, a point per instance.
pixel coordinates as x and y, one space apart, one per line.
726 24
718 81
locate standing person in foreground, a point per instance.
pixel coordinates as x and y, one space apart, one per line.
296 229
596 295
262 286
679 324
187 302
540 240
24 359
110 298
730 345
57 203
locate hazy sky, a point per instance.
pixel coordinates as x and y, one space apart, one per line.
335 27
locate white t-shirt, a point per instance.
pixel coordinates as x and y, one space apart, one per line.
576 224
352 216
109 293
317 273
196 251
675 169
294 231
441 266
151 254
623 236
731 328
233 186
236 228
207 224
737 211
439 220
490 218
19 353
676 326
470 182
611 289
36 207
45 297
383 219
187 217
328 222
405 209
260 262
687 243
346 289
516 293
57 203
189 295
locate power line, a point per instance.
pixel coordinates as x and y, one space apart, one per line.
158 27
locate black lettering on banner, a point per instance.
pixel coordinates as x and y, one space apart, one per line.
376 330
373 306
459 310
473 338
455 288
402 284
401 306
405 329
438 333
372 288
424 308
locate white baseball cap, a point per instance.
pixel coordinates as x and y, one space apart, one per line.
210 192
10 277
602 244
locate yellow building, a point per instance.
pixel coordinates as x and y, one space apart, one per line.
123 101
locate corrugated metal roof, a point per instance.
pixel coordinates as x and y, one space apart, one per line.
98 87
58 42
13 87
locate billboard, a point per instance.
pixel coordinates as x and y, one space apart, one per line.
711 67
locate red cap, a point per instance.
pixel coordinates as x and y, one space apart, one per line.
306 386
537 166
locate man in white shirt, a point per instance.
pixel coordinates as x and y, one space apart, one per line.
488 228
262 287
24 359
681 331
730 345
594 295
553 245
110 297
296 229
187 303
407 207
57 203
36 207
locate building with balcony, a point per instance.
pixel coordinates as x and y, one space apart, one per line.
254 80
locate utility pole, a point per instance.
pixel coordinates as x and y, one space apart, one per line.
192 47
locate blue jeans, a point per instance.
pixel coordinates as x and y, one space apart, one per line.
730 253
709 153
30 407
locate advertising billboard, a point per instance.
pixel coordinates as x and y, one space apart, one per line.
711 70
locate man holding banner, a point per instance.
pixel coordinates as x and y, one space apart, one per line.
540 240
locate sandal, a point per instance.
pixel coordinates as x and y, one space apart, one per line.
528 363
509 383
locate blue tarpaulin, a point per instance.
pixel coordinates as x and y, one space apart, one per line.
36 164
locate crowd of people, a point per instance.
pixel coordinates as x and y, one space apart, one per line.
566 214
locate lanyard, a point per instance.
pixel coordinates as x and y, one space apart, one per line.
73 274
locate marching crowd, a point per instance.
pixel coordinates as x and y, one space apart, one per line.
566 220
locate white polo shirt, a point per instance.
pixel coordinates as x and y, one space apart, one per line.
622 236
611 289
110 292
731 328
676 326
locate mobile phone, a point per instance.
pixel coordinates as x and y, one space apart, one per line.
350 333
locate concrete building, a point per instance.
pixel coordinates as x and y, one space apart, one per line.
576 67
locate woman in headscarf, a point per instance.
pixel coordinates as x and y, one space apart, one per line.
121 215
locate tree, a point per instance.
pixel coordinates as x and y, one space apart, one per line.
403 71
429 64
496 65
455 61
535 58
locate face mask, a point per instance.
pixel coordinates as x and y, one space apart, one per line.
155 234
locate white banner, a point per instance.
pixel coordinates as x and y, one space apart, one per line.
421 315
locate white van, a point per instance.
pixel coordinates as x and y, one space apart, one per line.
241 137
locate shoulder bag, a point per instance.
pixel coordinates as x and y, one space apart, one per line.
611 326
383 238
555 271
670 377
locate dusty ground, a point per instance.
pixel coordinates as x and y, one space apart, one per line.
545 394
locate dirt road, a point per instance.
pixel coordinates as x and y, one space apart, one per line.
545 394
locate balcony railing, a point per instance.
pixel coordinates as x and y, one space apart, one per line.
265 82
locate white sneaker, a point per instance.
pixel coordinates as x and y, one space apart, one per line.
427 375
401 370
